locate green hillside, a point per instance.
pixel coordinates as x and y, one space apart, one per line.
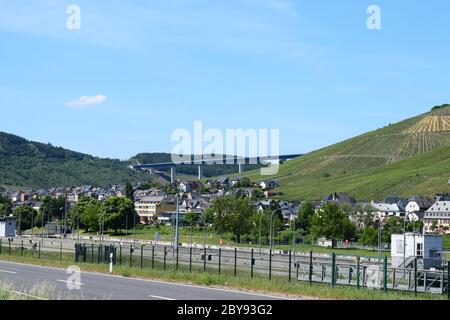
412 156
30 164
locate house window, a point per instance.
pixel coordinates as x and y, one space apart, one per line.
419 249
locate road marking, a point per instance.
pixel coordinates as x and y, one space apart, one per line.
161 298
71 282
6 271
28 295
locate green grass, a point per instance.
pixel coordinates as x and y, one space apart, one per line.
371 166
259 284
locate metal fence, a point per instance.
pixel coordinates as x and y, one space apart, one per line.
332 269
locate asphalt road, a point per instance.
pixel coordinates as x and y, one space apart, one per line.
94 286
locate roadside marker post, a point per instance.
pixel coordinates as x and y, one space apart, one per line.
310 267
60 250
111 263
21 249
9 247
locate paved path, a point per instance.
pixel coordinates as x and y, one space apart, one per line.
95 286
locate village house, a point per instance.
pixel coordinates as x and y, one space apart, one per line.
416 207
437 217
149 208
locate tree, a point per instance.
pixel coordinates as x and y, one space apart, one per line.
54 207
191 218
129 191
369 236
392 225
305 213
86 214
232 214
361 215
26 214
264 218
331 222
5 206
115 211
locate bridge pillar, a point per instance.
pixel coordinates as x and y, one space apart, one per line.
241 167
200 172
173 174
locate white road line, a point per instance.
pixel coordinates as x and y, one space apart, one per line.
160 298
28 295
71 282
6 271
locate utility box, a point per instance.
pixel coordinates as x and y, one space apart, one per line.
426 248
7 227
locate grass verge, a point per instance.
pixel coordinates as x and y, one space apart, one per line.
278 286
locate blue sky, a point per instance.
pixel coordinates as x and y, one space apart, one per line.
311 69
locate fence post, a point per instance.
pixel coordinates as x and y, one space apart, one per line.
251 265
190 259
120 254
290 262
270 265
178 249
21 249
9 247
153 257
385 274
131 256
204 260
142 256
393 278
310 267
448 280
60 251
92 253
39 256
333 269
0 246
165 253
415 276
220 259
235 261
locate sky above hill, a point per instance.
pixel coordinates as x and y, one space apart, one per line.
138 70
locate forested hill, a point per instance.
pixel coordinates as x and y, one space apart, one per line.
29 164
32 164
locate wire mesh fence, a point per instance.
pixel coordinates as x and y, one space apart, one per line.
331 269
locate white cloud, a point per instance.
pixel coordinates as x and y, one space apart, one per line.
87 100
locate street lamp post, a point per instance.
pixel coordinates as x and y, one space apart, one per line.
271 228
